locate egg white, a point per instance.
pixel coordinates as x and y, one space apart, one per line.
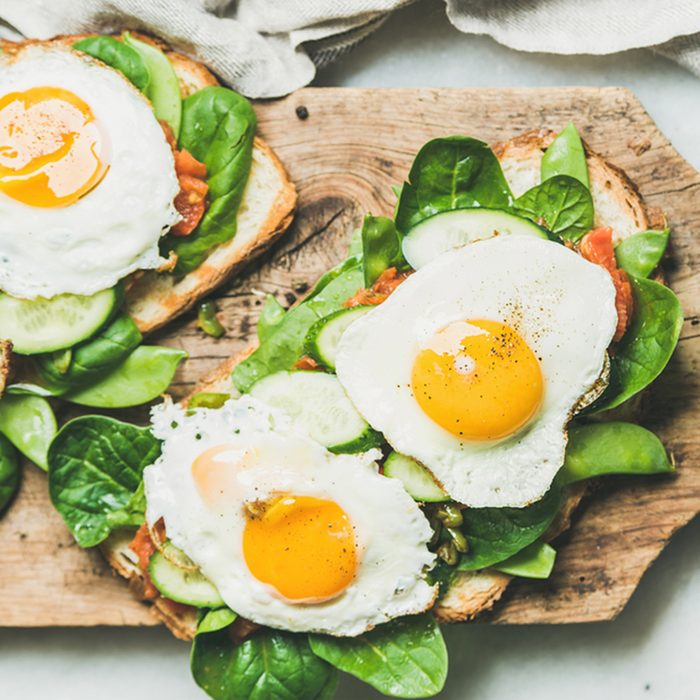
268 458
114 229
562 306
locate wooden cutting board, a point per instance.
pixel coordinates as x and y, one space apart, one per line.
344 158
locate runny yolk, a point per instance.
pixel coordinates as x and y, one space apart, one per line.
302 546
51 149
478 379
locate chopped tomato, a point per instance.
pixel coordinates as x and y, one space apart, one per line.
385 285
306 362
597 247
142 545
190 201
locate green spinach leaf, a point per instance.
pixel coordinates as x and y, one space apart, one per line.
286 344
9 472
218 126
143 376
596 449
92 359
404 658
28 422
648 344
640 254
535 561
381 247
566 156
270 317
451 173
562 204
118 55
216 620
269 665
495 534
95 469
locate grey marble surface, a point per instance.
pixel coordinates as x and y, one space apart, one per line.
651 651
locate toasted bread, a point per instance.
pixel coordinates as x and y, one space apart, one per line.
265 213
5 355
618 204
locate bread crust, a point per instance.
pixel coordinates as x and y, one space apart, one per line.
153 299
475 592
5 359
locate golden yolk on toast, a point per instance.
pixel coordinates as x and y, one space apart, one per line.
51 149
478 379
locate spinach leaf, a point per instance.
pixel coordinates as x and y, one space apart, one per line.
565 156
535 561
404 658
270 664
28 422
640 254
217 128
9 472
118 55
215 620
648 344
451 173
143 376
355 247
286 344
92 359
270 317
562 204
596 449
381 247
494 534
95 468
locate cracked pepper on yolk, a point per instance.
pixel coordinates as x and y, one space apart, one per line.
302 546
478 379
51 149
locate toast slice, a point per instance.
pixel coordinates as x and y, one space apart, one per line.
618 204
265 213
5 355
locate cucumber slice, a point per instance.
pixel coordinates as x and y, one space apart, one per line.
164 88
416 479
182 586
45 325
324 336
455 228
318 407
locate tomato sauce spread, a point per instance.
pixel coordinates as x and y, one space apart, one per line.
597 247
386 283
142 545
306 362
191 200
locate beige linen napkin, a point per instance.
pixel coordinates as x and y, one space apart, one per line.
267 48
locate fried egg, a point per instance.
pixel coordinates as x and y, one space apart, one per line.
292 536
87 178
475 364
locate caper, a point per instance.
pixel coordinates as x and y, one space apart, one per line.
450 516
448 553
208 321
437 530
458 539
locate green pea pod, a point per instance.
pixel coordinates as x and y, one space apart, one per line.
565 156
208 321
597 449
141 377
535 561
29 424
641 253
92 359
9 472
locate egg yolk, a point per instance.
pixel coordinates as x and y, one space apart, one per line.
51 148
302 546
478 379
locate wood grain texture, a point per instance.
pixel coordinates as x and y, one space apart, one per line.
344 158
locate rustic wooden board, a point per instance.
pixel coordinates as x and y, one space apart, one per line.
344 158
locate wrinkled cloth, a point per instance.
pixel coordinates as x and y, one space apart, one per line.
268 48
